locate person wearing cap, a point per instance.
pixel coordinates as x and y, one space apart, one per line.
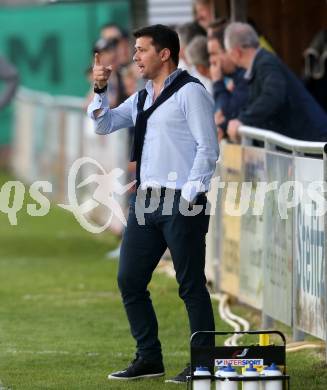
108 54
113 31
175 149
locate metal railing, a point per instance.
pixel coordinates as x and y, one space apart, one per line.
279 266
272 139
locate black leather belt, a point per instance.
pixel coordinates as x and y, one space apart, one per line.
160 190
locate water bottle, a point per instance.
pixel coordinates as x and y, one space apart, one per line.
218 374
227 372
272 370
201 384
251 372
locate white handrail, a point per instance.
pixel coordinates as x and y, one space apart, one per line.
287 143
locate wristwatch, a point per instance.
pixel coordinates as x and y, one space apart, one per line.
96 89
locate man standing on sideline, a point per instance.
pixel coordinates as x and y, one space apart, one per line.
175 146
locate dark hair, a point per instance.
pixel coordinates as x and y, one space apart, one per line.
219 36
163 37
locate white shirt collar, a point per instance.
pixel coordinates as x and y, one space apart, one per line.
168 81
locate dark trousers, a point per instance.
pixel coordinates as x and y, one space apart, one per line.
141 250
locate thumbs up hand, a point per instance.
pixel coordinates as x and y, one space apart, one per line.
101 73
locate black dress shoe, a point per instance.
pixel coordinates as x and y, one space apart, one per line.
139 368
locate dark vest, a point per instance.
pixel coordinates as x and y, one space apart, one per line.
143 116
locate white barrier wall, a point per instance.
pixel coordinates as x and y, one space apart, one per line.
252 230
309 253
280 253
278 243
230 225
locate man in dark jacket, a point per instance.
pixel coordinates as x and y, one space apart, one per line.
278 100
230 98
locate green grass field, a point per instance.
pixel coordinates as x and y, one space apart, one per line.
62 325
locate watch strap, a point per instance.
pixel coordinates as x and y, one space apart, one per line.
96 89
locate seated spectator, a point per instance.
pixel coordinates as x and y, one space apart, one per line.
278 100
186 32
197 56
229 97
204 12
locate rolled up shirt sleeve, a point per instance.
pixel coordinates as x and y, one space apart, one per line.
100 100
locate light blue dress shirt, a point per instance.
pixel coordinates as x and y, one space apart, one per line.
180 145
